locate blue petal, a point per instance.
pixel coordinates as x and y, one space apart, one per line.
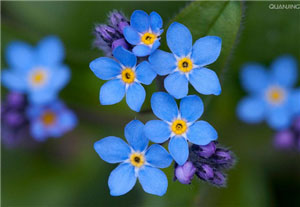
191 108
112 149
14 80
155 45
179 39
179 149
105 68
67 120
206 50
153 180
164 106
295 101
42 96
121 180
279 118
128 59
19 55
205 81
157 156
177 85
38 131
131 35
135 96
156 22
162 62
157 131
61 77
50 50
254 77
134 133
140 21
112 92
284 71
201 133
144 73
251 110
141 50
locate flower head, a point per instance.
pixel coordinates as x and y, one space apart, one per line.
38 72
144 32
125 77
179 125
50 120
271 93
137 161
187 62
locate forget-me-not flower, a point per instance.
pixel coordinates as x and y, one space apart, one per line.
187 63
50 120
179 125
137 161
272 96
38 72
144 32
125 77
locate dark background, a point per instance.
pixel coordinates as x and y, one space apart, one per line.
68 172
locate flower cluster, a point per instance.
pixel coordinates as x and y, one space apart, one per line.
34 79
289 138
138 61
208 162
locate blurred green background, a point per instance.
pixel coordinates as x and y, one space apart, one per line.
68 172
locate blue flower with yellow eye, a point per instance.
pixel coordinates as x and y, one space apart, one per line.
125 77
136 161
188 62
50 120
272 96
144 32
38 72
179 125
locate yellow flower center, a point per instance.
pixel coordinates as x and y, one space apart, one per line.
49 118
275 95
185 65
148 38
38 77
137 159
128 75
179 127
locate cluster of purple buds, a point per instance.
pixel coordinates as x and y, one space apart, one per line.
208 162
14 123
289 139
110 36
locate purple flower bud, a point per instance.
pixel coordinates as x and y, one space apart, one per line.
119 42
118 20
296 124
15 100
284 139
205 172
205 151
105 32
13 118
222 156
219 179
184 173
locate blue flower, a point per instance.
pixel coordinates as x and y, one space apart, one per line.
272 96
39 71
187 63
124 78
137 161
50 120
144 32
181 126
